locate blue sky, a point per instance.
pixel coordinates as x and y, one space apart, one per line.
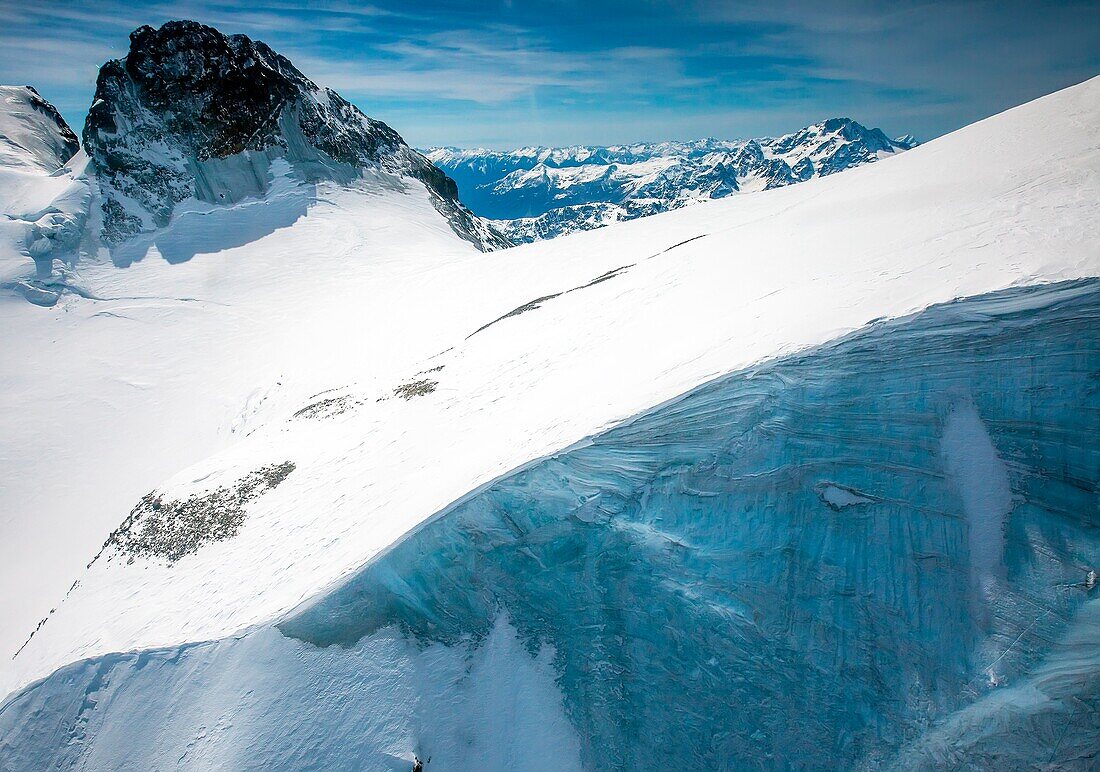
505 74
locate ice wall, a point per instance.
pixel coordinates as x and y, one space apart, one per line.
872 553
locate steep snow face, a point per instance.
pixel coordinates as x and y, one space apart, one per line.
193 114
539 193
688 588
32 133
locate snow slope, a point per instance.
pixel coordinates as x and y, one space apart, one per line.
184 377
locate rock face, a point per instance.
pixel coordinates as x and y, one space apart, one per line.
192 113
32 133
538 193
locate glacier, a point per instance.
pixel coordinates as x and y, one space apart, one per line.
872 553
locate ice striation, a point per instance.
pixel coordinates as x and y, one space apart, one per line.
192 114
539 193
875 553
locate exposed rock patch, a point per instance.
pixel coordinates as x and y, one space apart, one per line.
415 389
171 529
329 407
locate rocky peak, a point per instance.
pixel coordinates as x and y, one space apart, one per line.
837 133
190 112
748 157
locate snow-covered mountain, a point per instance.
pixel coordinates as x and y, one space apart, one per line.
191 114
32 133
190 121
315 482
538 193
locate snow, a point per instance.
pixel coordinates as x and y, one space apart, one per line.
839 497
194 368
631 175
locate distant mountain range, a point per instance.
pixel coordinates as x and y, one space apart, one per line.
538 193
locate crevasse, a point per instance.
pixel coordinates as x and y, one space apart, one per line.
873 553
